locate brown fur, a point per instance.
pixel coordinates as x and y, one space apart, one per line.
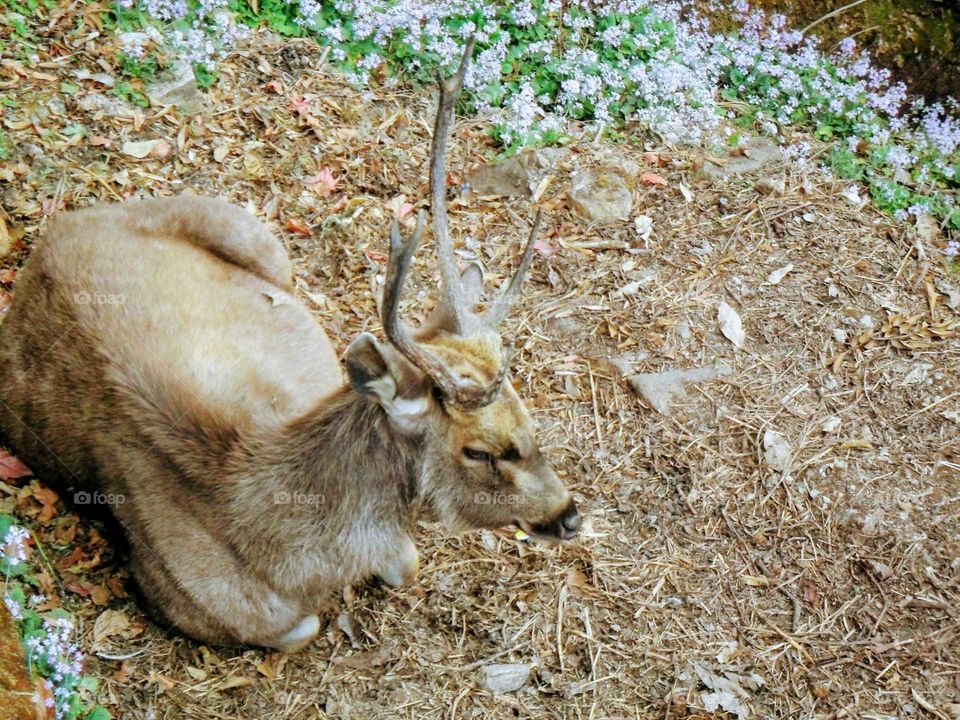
154 354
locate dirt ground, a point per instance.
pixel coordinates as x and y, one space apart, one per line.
706 578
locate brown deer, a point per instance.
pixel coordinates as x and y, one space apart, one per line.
155 360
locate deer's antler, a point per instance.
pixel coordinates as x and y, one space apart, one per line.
462 391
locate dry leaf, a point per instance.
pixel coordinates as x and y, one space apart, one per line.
108 624
295 225
11 468
730 324
143 148
48 501
649 178
235 682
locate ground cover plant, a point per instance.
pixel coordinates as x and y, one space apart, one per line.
629 67
47 631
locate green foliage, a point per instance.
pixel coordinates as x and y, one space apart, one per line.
204 76
278 15
126 91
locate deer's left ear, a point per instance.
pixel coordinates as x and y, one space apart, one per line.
376 371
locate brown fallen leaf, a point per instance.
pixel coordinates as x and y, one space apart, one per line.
235 682
649 178
11 468
114 623
48 502
100 595
100 141
298 226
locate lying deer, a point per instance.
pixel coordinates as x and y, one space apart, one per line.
155 355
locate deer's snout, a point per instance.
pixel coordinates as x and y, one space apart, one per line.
563 526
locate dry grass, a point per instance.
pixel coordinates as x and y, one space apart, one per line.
829 591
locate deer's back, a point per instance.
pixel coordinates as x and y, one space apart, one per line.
122 344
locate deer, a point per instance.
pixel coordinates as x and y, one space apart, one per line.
156 360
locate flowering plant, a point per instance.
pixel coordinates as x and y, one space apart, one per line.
655 65
50 652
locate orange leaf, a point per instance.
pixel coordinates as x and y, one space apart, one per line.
649 178
298 226
100 141
11 468
48 500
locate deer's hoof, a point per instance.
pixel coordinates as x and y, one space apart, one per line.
299 636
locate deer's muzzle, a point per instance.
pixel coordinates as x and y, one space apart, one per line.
563 526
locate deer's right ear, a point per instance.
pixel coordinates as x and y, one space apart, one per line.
369 369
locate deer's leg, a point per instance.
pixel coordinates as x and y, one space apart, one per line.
193 580
402 565
224 230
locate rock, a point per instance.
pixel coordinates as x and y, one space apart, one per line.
177 87
762 149
94 103
600 195
776 451
757 153
662 388
623 364
502 678
770 186
830 424
517 175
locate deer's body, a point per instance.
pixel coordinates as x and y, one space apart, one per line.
146 368
154 357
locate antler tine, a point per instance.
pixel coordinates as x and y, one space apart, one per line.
450 88
401 253
498 311
459 391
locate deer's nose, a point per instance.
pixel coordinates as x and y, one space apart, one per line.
570 520
563 526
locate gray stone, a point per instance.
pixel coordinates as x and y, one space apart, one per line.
517 175
500 678
762 149
96 103
770 186
177 87
600 195
758 152
662 388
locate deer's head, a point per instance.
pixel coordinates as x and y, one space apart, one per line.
446 384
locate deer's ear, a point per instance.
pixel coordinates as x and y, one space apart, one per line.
370 370
377 371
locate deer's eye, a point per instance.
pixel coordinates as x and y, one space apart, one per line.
477 455
511 454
